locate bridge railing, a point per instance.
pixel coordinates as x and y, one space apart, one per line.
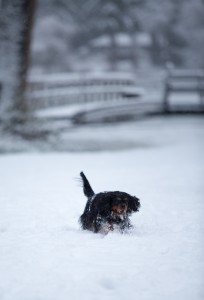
184 82
61 89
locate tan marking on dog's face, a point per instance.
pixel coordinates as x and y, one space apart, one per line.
119 208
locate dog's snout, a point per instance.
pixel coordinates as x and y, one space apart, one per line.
119 208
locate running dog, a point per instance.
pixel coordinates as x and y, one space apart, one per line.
107 211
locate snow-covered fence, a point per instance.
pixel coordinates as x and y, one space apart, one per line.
61 89
185 82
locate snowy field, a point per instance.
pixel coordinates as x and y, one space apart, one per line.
45 256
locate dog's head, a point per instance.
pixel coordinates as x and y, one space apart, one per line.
123 203
117 204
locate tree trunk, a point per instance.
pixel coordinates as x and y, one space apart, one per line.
16 24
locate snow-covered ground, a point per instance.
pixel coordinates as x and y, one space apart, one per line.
43 253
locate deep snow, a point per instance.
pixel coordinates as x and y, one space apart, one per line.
43 253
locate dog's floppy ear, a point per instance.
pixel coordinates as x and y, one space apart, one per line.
133 204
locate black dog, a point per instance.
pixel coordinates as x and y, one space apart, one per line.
107 211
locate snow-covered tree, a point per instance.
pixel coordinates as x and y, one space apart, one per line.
192 28
15 29
177 31
98 18
67 32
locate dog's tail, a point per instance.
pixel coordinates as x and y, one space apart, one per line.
88 192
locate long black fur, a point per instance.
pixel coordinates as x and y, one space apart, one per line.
88 192
98 212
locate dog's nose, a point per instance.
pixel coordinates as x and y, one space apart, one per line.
122 207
